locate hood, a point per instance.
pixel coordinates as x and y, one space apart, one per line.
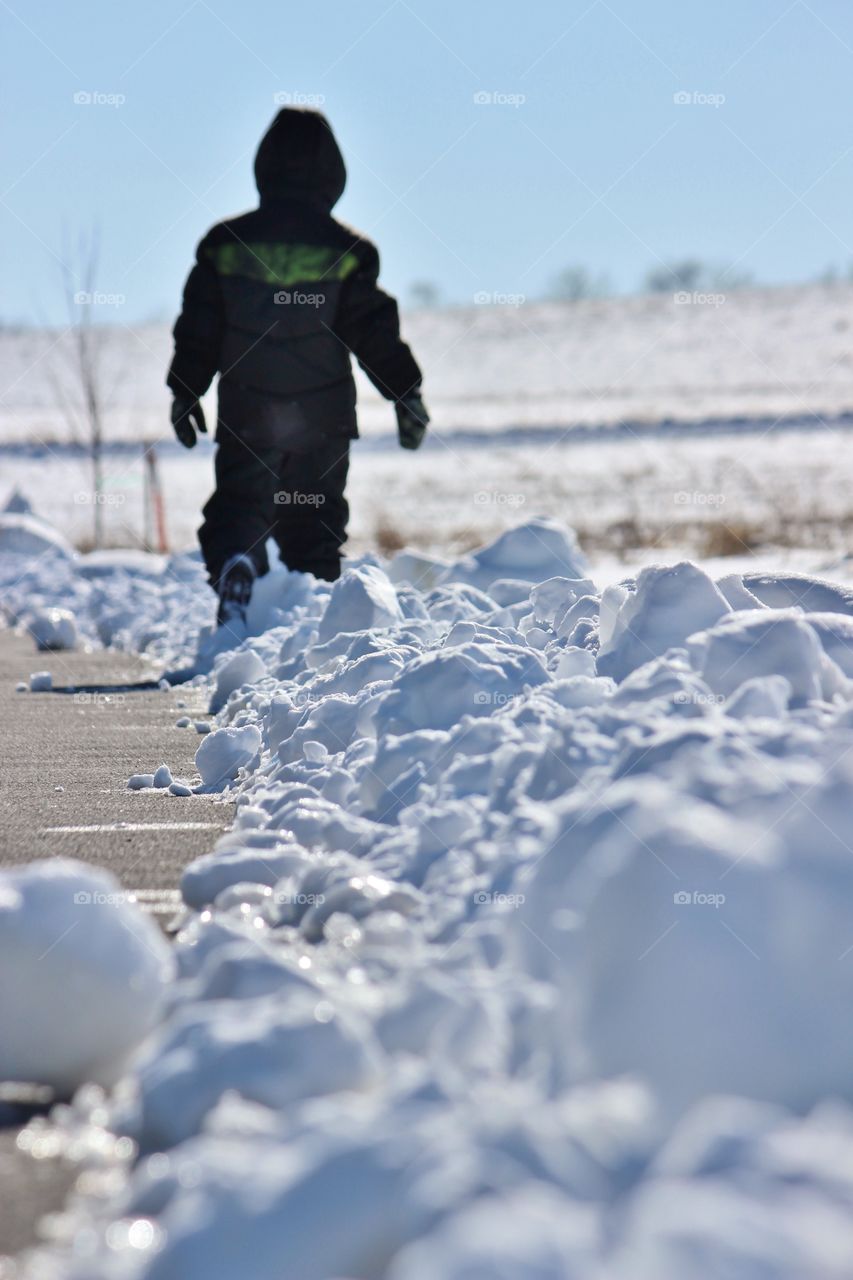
298 156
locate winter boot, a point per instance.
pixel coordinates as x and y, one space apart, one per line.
235 590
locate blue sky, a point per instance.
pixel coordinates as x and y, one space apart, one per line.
597 165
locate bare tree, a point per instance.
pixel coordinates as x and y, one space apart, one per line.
80 393
424 294
575 283
687 274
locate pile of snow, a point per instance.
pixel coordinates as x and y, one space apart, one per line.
529 952
130 600
530 553
17 504
23 534
86 975
224 752
53 629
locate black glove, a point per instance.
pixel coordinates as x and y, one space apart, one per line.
412 419
187 419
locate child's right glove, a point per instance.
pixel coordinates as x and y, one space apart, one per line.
412 419
187 419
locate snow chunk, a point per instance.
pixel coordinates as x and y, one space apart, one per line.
669 604
552 599
362 599
53 629
275 1053
245 667
836 635
749 645
224 752
741 1225
533 1232
437 690
140 781
18 504
423 572
681 939
532 552
798 590
27 536
313 1211
90 972
762 696
208 876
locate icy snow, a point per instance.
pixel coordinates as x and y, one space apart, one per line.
667 606
140 781
223 753
362 599
530 952
244 668
53 629
25 535
86 974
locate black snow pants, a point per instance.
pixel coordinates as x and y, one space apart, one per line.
277 477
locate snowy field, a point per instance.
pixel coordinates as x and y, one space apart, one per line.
645 423
656 495
529 954
756 353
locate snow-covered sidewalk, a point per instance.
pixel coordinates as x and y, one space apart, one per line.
530 952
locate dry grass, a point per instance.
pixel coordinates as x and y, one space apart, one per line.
736 539
713 539
699 539
387 536
113 541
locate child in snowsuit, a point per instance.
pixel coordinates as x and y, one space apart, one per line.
277 301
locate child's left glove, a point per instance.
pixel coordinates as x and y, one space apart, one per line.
412 419
187 419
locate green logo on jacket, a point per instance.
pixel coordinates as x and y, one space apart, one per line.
283 265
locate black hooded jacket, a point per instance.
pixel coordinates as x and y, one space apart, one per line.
280 297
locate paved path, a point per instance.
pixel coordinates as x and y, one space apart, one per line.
65 758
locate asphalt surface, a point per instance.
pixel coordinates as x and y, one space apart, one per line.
65 758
